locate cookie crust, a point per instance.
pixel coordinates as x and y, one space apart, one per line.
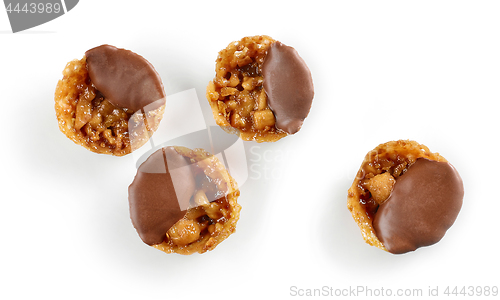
394 157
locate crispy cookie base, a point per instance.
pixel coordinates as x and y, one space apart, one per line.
394 157
100 128
236 93
228 205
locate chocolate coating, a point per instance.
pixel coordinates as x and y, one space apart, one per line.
424 203
160 193
288 85
125 78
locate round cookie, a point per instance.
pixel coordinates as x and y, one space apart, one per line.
404 196
183 201
262 89
110 101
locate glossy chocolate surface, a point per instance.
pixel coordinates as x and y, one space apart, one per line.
160 194
288 85
424 203
125 78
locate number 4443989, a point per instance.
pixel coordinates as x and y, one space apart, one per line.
471 291
34 8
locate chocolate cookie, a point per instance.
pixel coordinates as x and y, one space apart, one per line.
183 201
405 197
110 101
262 89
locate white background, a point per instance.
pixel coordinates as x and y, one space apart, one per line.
383 70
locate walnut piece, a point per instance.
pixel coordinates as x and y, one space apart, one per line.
380 186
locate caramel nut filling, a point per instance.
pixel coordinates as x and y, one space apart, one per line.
86 115
208 216
397 210
262 89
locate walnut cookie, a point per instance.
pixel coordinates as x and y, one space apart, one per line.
404 196
183 201
110 101
262 89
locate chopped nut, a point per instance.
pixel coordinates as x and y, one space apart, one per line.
241 53
211 93
249 83
234 80
106 108
232 104
213 211
262 100
96 119
398 170
84 109
246 103
222 107
381 186
237 121
195 213
263 118
200 198
227 91
109 136
244 61
184 232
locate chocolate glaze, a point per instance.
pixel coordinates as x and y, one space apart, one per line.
288 85
154 204
125 78
424 203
